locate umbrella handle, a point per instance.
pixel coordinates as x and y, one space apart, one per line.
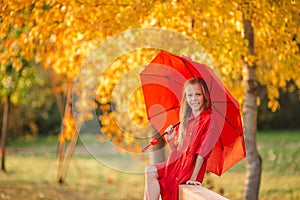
154 141
167 132
146 147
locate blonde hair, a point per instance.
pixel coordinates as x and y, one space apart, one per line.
186 110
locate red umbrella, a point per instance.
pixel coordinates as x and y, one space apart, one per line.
162 82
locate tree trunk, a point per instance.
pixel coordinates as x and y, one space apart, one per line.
60 159
62 142
157 152
254 161
68 156
4 132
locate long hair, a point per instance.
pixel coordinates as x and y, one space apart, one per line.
186 110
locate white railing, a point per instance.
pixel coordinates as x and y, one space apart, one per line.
192 192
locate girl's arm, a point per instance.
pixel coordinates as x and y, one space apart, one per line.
198 165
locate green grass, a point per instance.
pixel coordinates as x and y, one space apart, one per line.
280 151
33 177
33 141
31 165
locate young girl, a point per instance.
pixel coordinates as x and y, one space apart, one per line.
190 150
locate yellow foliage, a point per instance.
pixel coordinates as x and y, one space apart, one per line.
61 138
129 139
273 92
273 105
291 88
69 127
137 109
61 34
119 85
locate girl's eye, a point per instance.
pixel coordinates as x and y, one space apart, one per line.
198 94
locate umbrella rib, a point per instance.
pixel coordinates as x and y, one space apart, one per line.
157 114
167 77
210 89
185 65
221 143
228 121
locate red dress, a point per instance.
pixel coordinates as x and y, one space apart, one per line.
180 165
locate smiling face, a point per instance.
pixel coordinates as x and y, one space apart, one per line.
195 98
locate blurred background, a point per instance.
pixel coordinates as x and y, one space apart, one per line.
44 45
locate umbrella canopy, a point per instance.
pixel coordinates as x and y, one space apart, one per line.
162 84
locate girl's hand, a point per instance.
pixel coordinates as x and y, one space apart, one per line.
170 133
192 182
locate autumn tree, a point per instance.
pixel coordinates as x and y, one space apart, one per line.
59 35
259 26
251 42
17 75
17 79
